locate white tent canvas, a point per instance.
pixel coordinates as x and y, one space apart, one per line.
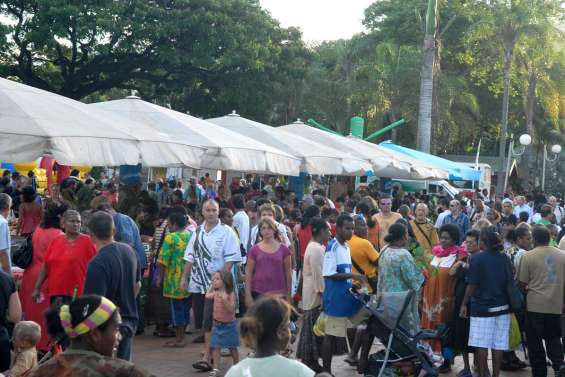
225 149
385 164
34 123
316 158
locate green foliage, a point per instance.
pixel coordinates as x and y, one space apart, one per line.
210 57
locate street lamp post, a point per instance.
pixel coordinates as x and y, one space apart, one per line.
555 150
524 140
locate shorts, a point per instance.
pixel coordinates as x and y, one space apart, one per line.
224 335
490 332
180 311
337 326
208 315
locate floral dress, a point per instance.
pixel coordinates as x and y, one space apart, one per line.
397 273
439 292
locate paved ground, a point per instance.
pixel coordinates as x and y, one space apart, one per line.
150 354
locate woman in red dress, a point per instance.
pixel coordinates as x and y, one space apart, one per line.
48 230
66 260
29 212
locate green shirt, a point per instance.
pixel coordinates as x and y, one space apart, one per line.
172 258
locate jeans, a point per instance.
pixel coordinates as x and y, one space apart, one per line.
542 327
127 331
4 349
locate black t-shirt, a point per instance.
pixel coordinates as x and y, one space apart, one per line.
7 288
488 271
113 273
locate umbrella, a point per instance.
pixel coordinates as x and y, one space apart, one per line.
316 158
37 123
226 150
385 164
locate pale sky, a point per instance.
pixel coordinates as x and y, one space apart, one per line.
320 20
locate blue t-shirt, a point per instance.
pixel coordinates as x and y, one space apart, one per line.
128 233
338 301
488 271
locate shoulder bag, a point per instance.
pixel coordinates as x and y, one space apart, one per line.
23 255
515 298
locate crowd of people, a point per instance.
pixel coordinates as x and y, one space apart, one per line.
251 264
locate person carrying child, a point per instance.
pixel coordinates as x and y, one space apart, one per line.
25 337
224 330
171 258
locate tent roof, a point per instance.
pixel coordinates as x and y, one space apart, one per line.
316 158
36 123
385 164
225 149
456 171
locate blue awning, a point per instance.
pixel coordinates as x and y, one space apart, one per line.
457 172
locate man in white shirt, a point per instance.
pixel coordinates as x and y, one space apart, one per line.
5 241
558 211
267 210
444 205
241 220
522 206
213 247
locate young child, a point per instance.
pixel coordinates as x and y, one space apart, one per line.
26 335
224 332
171 258
265 330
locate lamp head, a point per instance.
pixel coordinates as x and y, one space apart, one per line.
556 148
525 140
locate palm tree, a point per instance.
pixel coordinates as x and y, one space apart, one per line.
427 79
506 22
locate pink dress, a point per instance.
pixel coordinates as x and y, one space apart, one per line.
33 311
30 216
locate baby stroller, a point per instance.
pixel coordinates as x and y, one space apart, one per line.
405 353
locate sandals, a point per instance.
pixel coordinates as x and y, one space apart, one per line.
214 373
202 366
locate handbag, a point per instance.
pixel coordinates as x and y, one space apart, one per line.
372 281
23 255
514 337
515 298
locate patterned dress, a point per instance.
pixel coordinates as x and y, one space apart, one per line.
398 273
158 308
439 294
171 257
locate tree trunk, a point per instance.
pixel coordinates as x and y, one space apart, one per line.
508 55
426 96
427 80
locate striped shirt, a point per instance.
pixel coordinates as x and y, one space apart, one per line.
208 252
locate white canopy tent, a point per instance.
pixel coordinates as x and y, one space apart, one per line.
316 158
418 169
225 149
385 164
34 123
